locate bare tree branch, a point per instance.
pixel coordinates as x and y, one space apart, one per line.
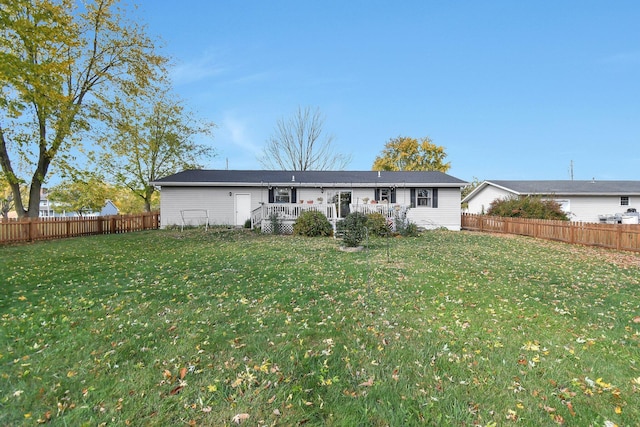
299 144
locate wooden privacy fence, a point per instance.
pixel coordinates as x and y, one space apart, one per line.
625 237
31 229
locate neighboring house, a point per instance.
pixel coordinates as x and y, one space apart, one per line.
47 209
232 197
586 201
109 208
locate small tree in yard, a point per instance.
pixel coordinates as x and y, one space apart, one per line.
354 228
533 207
312 224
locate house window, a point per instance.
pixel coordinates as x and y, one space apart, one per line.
282 195
423 197
624 201
385 195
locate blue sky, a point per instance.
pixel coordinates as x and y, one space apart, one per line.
511 89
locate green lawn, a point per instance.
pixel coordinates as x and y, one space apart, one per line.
213 328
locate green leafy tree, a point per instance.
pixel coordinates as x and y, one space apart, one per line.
300 144
129 203
410 154
58 64
149 137
534 207
81 196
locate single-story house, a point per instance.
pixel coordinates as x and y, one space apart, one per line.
429 199
586 201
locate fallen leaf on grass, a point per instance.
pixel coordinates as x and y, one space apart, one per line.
570 407
368 383
238 418
183 372
176 390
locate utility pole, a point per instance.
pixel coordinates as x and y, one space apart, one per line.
571 170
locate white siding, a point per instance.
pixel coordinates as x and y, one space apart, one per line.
216 200
221 205
587 208
581 208
447 214
481 201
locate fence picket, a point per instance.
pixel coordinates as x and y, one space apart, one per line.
624 237
32 229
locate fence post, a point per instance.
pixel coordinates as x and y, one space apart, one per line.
618 237
571 232
33 229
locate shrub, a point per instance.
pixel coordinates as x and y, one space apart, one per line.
377 224
410 230
354 228
312 224
247 223
527 207
406 228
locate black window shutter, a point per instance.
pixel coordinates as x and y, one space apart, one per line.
377 194
294 197
434 203
393 195
271 198
413 197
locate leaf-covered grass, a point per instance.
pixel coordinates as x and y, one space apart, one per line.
225 327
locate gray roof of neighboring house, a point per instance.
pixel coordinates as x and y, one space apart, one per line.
564 187
202 177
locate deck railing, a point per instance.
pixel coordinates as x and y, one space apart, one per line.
624 237
386 209
31 229
289 211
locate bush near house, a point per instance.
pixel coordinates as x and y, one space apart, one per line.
377 224
312 224
533 207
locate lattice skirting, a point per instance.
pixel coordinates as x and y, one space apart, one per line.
286 227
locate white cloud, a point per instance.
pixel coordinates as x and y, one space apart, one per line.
236 144
196 70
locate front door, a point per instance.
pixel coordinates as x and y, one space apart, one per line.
243 208
342 201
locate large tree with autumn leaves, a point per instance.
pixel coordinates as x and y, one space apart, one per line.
60 60
411 154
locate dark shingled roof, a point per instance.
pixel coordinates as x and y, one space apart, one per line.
590 187
200 177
